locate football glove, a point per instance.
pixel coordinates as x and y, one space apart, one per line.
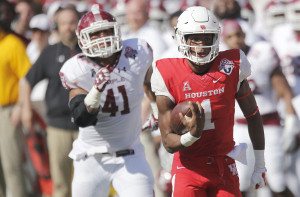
258 179
151 123
102 78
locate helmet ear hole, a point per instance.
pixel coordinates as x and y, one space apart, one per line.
186 37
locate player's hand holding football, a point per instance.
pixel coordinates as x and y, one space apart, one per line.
195 123
102 78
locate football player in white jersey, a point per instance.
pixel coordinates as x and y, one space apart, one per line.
106 89
266 81
286 40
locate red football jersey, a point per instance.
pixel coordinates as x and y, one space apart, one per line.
215 90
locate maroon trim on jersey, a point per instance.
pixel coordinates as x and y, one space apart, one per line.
245 95
252 114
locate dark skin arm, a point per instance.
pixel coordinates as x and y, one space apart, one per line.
282 89
147 85
194 124
248 106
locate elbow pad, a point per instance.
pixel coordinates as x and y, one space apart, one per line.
80 116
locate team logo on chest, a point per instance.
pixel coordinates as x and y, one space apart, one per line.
93 73
130 52
186 86
226 66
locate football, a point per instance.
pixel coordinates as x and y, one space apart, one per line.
176 124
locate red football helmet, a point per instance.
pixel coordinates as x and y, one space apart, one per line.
94 21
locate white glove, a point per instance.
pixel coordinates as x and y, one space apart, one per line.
151 123
92 99
258 179
290 132
102 78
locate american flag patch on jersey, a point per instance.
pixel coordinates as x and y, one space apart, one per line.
130 52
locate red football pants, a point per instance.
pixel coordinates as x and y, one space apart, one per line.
210 177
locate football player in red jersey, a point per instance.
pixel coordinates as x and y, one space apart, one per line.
204 157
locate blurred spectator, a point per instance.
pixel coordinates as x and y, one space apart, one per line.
189 3
61 132
157 15
233 36
119 12
14 64
247 11
227 9
231 9
169 36
285 38
137 15
266 81
24 12
39 26
269 15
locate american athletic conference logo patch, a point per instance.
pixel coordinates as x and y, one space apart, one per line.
226 66
130 52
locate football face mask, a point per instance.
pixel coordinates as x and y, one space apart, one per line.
198 21
98 34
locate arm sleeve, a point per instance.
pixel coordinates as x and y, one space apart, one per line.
158 85
148 53
67 76
245 68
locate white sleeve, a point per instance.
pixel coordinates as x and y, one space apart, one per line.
158 85
245 68
66 76
77 73
148 52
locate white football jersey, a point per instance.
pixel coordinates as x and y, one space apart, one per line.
119 118
263 60
287 46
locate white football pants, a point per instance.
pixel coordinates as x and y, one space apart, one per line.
130 176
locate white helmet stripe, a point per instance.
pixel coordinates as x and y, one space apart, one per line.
96 12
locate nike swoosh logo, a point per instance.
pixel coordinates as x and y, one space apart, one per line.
215 81
179 167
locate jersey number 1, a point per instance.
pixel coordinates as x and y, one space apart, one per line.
208 124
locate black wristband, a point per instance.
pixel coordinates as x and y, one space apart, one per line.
80 116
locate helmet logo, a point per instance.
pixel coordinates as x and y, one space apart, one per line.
203 27
96 12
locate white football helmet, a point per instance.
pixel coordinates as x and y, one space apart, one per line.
94 21
197 20
275 14
293 15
